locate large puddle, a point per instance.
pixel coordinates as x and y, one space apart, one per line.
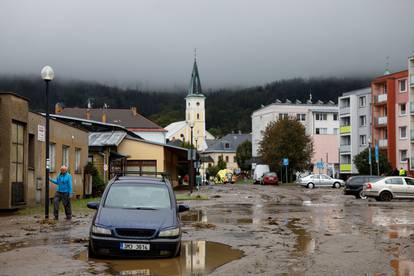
197 258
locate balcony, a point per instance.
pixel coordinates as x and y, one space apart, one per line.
345 129
381 99
345 167
412 80
383 143
345 148
412 135
344 110
381 121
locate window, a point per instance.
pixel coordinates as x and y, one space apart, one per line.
362 120
234 159
142 165
77 160
198 116
395 181
31 160
52 157
301 117
403 156
227 158
17 152
227 145
362 140
409 181
403 132
321 130
403 109
403 85
321 116
65 156
336 131
198 104
362 101
335 117
283 116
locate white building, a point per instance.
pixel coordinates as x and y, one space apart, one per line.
320 121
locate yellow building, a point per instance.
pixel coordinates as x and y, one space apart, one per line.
195 116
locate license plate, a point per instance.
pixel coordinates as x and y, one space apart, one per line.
135 246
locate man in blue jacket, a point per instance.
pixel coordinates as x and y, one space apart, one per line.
63 193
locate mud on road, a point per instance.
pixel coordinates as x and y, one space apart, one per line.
240 230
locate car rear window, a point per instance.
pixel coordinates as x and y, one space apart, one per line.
138 196
395 181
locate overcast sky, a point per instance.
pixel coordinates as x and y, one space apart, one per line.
239 43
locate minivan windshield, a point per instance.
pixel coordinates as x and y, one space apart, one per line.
138 196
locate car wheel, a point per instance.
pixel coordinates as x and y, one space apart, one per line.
310 185
385 196
361 195
91 253
337 185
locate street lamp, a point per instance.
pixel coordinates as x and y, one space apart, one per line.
47 75
370 156
191 176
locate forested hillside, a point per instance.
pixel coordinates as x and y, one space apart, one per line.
226 109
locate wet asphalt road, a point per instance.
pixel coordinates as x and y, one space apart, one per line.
240 230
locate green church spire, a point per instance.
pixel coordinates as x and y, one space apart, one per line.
195 84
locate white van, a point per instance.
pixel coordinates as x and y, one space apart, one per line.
259 171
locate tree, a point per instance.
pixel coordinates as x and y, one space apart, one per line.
243 154
286 138
362 164
221 165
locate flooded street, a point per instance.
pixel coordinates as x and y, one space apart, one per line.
241 229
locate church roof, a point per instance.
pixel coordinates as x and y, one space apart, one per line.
194 90
174 128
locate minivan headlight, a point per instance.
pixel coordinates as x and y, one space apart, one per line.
170 232
101 230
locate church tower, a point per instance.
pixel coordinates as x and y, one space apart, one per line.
195 110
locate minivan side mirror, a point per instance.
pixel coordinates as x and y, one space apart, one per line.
183 208
93 205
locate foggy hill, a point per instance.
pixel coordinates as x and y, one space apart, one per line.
226 109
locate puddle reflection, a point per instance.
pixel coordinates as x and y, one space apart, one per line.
305 244
197 258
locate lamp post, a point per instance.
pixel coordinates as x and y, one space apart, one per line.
47 75
191 175
370 156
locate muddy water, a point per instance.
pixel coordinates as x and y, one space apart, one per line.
197 258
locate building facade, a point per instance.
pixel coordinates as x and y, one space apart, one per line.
195 116
319 119
390 117
355 127
22 147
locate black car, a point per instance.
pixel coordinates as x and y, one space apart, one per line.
136 217
354 185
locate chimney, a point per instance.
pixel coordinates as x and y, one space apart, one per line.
88 114
104 117
134 111
58 108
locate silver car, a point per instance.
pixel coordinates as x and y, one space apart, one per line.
320 180
387 188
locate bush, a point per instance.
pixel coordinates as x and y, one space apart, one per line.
98 185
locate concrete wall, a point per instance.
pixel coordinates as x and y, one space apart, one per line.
402 120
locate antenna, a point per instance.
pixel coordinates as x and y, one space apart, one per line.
387 65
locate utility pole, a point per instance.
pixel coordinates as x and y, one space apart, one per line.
191 174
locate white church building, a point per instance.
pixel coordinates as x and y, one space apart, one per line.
195 116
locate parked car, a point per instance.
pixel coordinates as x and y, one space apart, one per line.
270 178
355 184
320 180
388 188
259 171
136 217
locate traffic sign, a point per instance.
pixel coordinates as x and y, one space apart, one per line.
285 162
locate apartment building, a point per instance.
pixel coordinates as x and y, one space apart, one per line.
355 127
411 99
320 121
390 118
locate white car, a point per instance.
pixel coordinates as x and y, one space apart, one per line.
387 188
320 180
259 171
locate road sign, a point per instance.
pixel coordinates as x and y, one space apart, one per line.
40 133
376 153
320 165
285 162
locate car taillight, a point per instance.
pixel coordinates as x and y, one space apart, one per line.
369 185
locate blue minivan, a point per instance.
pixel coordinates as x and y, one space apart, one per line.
136 217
